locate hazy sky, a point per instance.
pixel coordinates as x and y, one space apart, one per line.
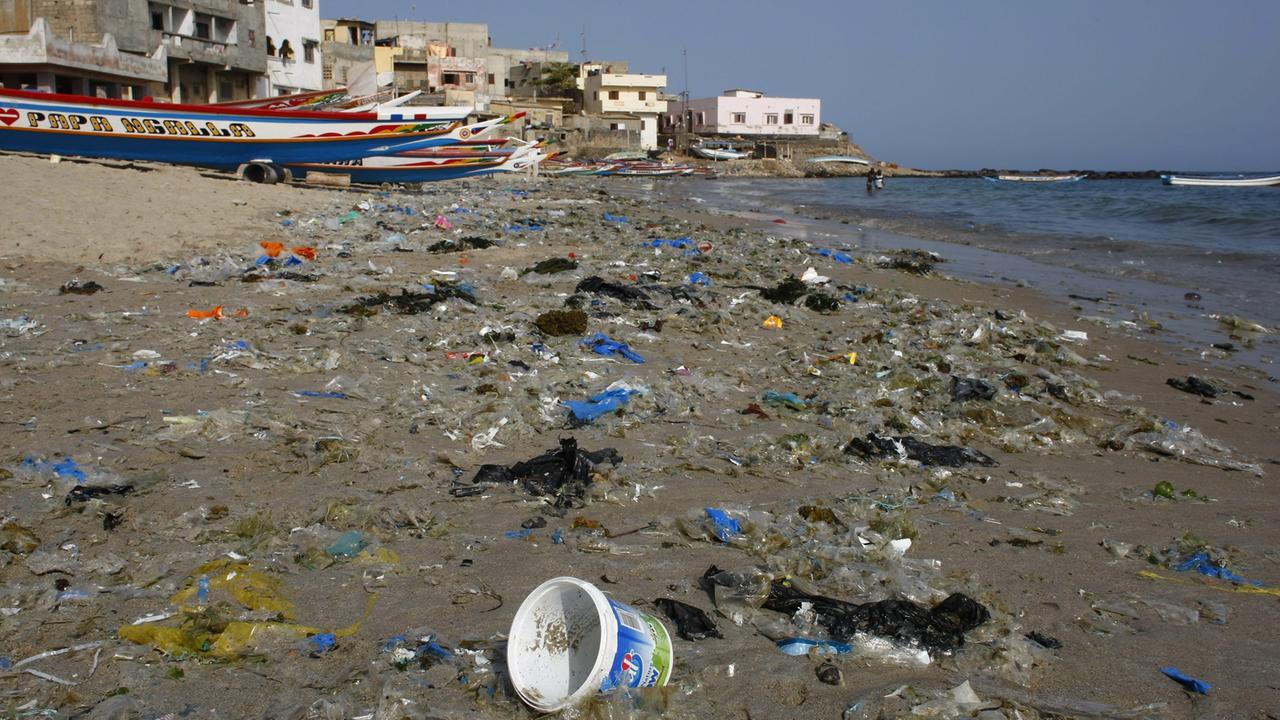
944 83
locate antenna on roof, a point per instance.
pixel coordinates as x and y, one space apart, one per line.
584 43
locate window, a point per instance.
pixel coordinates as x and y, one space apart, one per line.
330 35
204 28
640 95
806 119
224 30
491 79
740 118
771 119
788 118
224 90
595 95
549 119
160 16
702 118
271 47
286 51
308 3
613 94
309 50
253 38
326 72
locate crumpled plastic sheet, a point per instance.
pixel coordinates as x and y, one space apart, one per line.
1189 445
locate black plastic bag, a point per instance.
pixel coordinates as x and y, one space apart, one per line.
877 446
939 629
691 622
964 389
1194 385
564 473
597 285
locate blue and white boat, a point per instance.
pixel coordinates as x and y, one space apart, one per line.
209 135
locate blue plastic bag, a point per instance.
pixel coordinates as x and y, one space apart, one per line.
602 344
725 525
1186 681
1203 564
584 411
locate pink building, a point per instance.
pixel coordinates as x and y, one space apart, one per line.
747 112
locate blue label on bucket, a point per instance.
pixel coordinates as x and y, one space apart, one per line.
643 657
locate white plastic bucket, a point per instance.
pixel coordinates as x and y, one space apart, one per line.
569 640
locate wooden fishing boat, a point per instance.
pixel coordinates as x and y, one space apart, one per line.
1221 180
638 169
387 107
718 153
1041 179
207 135
409 168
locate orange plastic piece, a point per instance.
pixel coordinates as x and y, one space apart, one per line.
242 313
304 252
215 313
272 249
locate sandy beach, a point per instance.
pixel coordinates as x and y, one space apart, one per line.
311 453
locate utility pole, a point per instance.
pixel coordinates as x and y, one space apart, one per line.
685 121
584 43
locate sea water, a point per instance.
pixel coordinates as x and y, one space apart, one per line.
1134 241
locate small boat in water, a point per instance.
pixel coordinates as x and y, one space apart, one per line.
1221 180
1042 179
847 159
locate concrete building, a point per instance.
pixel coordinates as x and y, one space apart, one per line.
214 50
39 61
453 58
347 55
511 72
294 62
630 101
437 58
748 112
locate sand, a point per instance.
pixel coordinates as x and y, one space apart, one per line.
273 477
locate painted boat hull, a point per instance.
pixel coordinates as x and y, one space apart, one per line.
413 169
1207 181
206 136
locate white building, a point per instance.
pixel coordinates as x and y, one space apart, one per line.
293 46
630 101
748 112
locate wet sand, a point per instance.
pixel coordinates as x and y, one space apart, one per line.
231 461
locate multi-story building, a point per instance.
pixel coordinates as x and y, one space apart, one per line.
212 51
347 55
294 62
38 60
457 59
629 101
747 112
